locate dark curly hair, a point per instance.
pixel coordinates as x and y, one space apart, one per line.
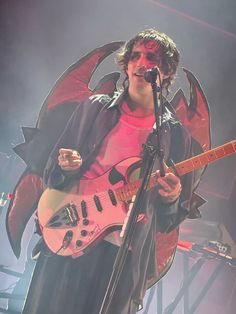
168 54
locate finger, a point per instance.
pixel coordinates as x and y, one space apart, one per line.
69 153
65 166
65 150
70 168
168 198
70 162
172 178
172 190
164 184
164 187
171 195
164 193
69 159
65 160
169 179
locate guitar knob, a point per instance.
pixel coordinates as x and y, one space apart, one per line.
83 233
79 243
67 239
85 222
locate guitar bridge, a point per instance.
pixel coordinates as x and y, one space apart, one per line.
66 216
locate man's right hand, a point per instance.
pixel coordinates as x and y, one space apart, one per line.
69 159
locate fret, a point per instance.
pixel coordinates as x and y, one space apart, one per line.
211 156
220 152
184 167
204 159
229 149
196 162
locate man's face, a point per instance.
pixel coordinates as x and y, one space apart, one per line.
144 56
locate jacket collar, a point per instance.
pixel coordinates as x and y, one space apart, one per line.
117 99
120 96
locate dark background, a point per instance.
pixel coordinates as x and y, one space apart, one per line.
39 40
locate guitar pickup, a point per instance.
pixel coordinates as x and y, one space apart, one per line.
112 197
98 203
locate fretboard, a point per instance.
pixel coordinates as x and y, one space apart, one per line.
205 158
126 192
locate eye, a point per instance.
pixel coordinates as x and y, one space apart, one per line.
152 57
135 55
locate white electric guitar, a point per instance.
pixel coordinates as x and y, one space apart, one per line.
73 220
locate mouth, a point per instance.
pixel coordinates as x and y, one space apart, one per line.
138 75
140 72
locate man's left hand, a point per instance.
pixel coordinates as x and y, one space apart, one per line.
169 187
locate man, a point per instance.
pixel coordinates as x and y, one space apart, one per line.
101 133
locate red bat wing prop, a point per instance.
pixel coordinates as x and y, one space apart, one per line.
195 116
70 90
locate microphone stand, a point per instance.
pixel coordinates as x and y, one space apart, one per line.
151 77
150 153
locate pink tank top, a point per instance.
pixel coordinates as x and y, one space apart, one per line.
125 140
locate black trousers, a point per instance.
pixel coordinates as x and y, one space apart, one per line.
62 285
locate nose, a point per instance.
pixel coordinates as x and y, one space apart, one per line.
142 61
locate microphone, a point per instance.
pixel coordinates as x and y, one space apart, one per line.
150 75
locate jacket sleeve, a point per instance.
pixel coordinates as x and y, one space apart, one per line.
169 216
79 134
54 176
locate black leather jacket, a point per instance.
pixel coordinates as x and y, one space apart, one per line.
85 131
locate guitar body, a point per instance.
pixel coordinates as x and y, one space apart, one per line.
74 220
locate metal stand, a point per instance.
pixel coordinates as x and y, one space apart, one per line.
150 154
17 296
186 283
5 295
129 232
189 275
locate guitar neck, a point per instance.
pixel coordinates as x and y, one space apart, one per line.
126 192
205 158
